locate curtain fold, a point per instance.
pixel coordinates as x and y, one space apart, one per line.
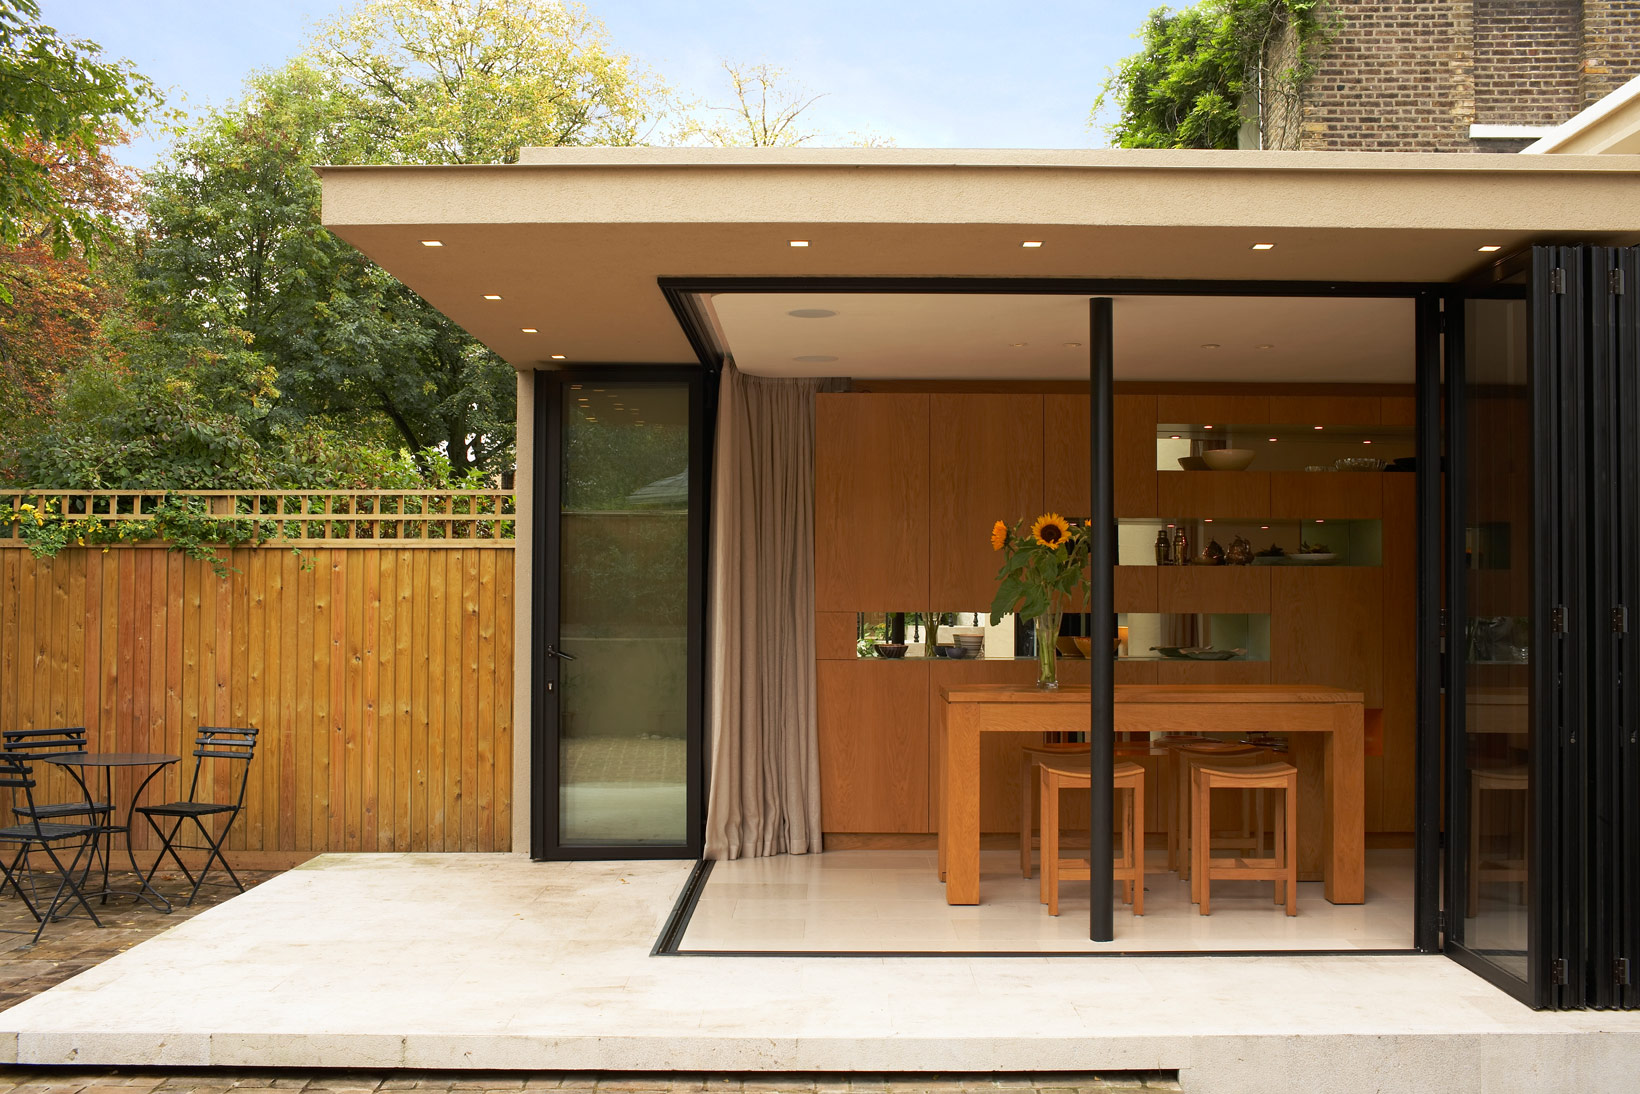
764 792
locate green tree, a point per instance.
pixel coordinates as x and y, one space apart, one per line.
55 93
1185 86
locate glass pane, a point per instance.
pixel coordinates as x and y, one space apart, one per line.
1497 465
624 614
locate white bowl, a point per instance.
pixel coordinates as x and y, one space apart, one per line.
1228 459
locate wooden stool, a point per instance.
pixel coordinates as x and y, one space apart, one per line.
1282 866
1129 867
1181 755
1495 780
1066 756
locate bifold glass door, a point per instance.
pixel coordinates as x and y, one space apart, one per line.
1541 559
619 522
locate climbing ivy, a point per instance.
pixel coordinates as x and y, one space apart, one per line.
1186 87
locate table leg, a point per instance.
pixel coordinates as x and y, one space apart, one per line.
145 892
940 791
1310 754
1346 836
959 804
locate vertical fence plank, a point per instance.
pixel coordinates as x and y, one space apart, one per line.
11 588
421 719
283 778
506 718
454 678
484 741
168 786
438 683
337 803
386 622
469 699
403 682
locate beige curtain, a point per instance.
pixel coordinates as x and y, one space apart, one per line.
764 797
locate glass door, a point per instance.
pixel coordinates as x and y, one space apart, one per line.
1514 573
618 652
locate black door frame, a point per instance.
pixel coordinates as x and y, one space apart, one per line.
546 557
683 295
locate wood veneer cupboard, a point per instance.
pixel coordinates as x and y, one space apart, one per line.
1349 627
873 730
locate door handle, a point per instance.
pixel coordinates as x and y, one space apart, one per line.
554 651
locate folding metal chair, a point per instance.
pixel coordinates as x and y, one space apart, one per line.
47 744
214 743
40 835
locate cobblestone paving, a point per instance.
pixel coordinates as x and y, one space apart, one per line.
73 945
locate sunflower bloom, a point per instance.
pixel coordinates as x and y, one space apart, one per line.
1050 530
999 536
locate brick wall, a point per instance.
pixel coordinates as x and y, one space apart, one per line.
1414 75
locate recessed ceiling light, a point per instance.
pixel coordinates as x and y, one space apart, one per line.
1264 246
1017 345
1366 442
1210 345
1272 440
797 242
1031 243
1207 427
811 313
1173 438
1073 345
1321 522
558 357
1265 345
1491 247
1266 527
529 330
1321 427
491 296
814 359
432 243
1207 520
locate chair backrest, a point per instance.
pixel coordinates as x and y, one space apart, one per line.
43 744
232 743
16 774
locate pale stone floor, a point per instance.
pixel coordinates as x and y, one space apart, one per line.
72 946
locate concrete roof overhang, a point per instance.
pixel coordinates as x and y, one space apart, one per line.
574 241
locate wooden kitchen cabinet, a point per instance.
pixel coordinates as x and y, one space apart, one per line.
874 746
985 457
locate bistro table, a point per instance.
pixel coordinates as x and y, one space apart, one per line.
1328 747
109 762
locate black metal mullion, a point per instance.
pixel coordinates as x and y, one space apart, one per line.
1102 623
548 499
1456 609
1626 590
1427 802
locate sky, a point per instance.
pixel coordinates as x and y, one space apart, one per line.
952 74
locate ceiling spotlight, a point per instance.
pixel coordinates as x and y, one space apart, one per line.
1017 345
1073 345
529 330
1272 440
1264 246
1321 427
815 359
432 243
1266 527
1491 247
797 242
811 313
1366 442
1265 345
1207 520
1210 345
1174 437
558 357
491 296
1207 427
1031 243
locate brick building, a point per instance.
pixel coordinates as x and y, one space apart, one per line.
1446 75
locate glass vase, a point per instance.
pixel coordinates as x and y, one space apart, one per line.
1047 648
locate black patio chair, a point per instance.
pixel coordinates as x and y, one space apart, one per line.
47 744
35 834
218 744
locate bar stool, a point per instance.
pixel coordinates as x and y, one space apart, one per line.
1129 866
1282 866
1068 756
1181 755
1492 780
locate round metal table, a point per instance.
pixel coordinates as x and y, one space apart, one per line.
109 762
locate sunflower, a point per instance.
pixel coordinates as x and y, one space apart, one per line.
1050 530
999 536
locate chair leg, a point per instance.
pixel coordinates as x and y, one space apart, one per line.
1136 843
1289 810
215 845
67 882
1026 786
1474 849
1050 840
1201 845
165 848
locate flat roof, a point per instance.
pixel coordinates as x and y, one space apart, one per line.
575 240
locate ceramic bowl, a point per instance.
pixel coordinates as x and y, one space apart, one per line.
1228 459
1192 463
891 649
1084 646
1066 645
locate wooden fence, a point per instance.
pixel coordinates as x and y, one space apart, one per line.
380 677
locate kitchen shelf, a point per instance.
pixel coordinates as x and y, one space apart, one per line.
1354 542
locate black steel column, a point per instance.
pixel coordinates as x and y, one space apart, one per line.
1102 622
1426 899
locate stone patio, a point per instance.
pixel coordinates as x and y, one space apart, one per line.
385 963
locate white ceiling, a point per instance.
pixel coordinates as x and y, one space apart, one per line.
969 337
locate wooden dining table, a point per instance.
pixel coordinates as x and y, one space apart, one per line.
1327 744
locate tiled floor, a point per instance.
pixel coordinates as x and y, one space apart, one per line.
892 901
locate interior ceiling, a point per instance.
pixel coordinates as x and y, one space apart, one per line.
1163 338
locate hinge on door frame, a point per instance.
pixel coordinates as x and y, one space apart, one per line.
1620 971
1557 970
1557 280
1614 282
1557 620
1620 619
1440 921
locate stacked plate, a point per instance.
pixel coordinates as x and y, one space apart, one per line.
973 645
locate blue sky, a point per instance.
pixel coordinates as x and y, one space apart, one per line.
957 74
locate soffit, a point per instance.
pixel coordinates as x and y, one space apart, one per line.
574 245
